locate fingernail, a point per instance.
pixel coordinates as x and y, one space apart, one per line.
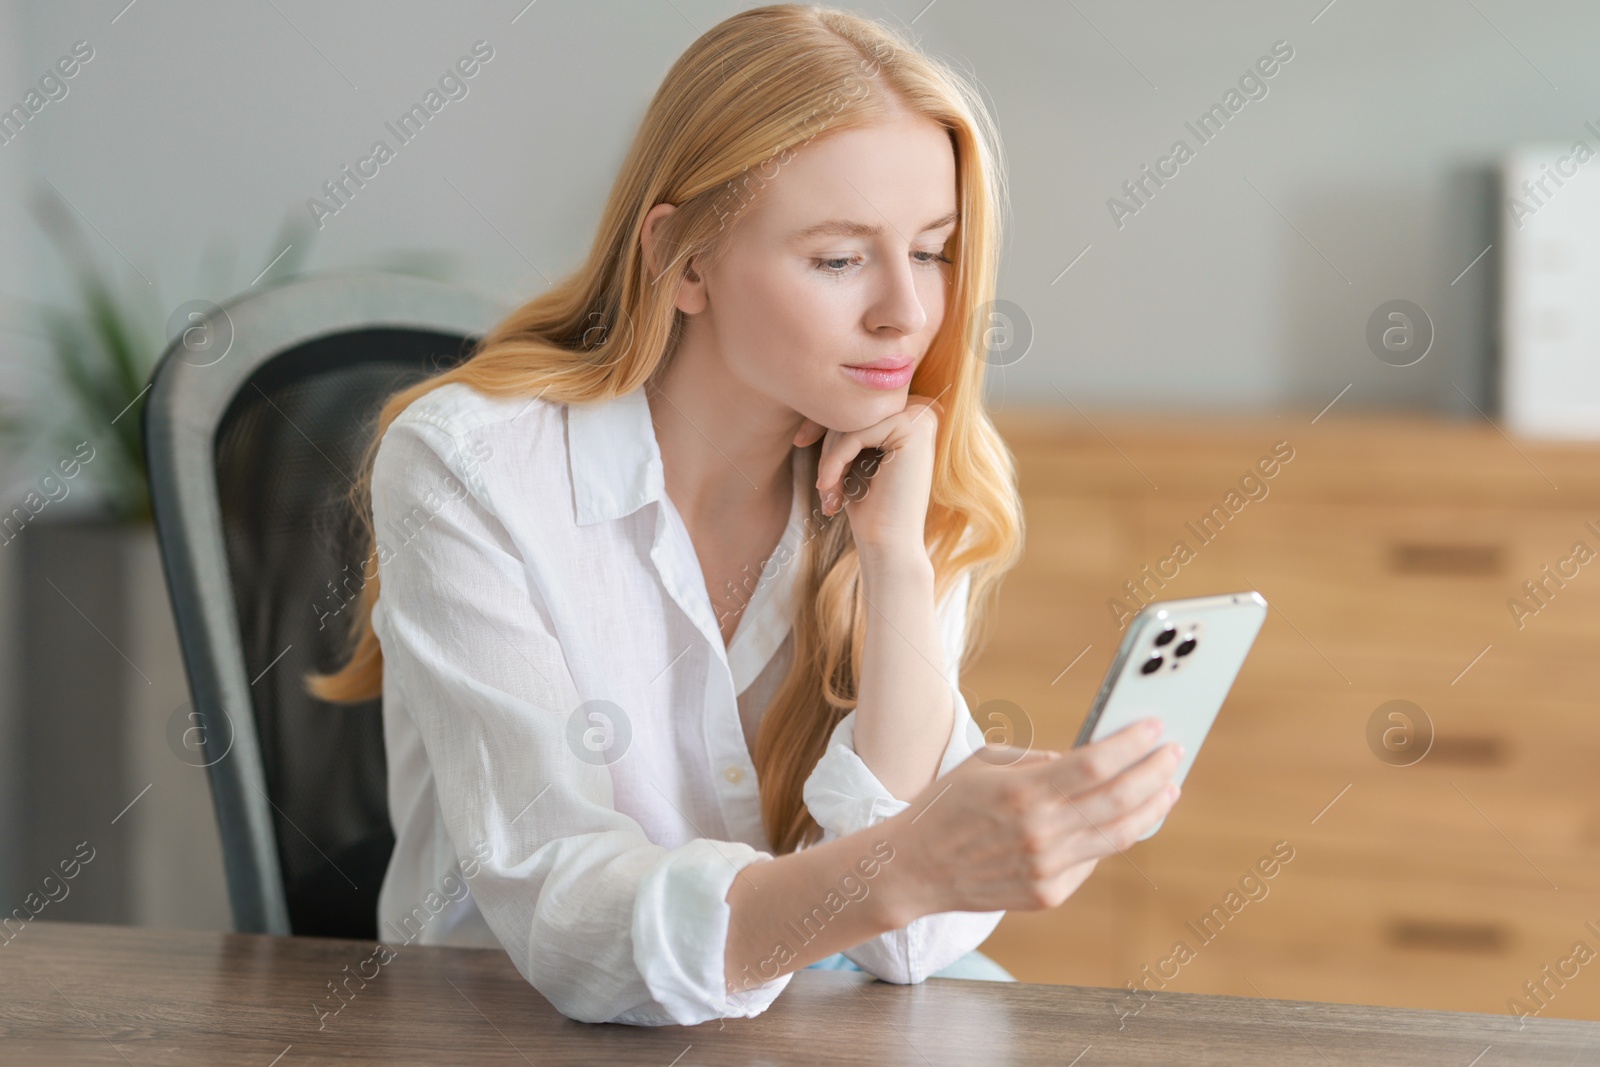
1153 727
1180 751
1173 790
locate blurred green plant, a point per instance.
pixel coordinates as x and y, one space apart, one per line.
105 346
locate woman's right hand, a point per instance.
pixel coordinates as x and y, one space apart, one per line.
1015 830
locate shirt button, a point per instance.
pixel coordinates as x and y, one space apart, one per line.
733 774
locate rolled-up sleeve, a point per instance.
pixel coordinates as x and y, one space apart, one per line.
605 924
844 796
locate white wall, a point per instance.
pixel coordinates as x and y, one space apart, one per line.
196 124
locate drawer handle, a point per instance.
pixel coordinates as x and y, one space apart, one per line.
1469 561
1448 936
1484 750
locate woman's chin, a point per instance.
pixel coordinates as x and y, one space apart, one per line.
857 412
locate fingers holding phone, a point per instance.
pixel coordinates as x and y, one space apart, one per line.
1023 832
1005 831
1120 787
1106 795
1101 761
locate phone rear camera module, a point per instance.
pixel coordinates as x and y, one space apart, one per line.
1185 646
1165 636
1152 664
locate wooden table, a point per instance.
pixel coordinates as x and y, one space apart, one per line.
91 994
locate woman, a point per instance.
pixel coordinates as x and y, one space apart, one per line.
658 722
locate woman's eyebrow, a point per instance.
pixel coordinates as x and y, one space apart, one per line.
853 228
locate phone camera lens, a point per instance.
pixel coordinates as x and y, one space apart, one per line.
1152 664
1185 646
1165 636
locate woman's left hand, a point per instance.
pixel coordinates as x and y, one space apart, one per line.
886 499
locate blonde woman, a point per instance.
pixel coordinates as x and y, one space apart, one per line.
678 569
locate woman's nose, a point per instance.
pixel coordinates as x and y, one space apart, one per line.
899 304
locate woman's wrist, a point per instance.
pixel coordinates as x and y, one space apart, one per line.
897 561
903 895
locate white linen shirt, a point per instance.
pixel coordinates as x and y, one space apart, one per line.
568 738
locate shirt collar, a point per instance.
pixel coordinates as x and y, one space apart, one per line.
613 456
769 614
616 469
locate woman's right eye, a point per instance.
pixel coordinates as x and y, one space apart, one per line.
843 262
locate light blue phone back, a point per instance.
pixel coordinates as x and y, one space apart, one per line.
1184 691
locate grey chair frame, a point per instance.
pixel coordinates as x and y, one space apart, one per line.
185 407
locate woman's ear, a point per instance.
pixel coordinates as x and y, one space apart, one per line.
690 297
647 238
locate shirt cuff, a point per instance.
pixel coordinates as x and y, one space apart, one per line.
680 935
843 794
925 946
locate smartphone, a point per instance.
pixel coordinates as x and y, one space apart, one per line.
1177 661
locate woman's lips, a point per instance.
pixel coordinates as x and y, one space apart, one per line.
883 373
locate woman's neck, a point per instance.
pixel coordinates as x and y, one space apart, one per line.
726 449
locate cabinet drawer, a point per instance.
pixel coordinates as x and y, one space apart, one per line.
1410 944
1503 795
1393 554
1431 579
1535 744
1497 798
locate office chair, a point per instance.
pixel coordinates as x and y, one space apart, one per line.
253 433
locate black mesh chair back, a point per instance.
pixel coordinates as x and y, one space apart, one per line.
254 432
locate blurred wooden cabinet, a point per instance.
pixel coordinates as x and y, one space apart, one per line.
1393 552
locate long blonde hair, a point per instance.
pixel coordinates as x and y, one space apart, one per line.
753 89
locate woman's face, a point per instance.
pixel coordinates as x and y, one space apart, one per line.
836 260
